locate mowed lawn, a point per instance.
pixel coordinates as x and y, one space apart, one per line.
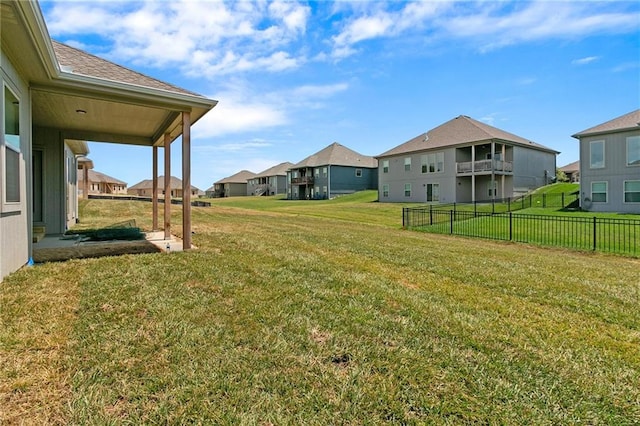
320 313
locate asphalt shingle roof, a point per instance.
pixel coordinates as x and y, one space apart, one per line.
240 177
277 170
148 184
628 121
337 155
77 61
101 177
458 131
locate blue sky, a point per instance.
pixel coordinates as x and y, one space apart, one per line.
292 77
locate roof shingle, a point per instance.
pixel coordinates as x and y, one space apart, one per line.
337 155
627 121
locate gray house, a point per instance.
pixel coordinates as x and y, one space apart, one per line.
232 186
463 160
335 170
610 165
572 171
272 181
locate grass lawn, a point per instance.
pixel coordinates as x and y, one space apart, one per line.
320 313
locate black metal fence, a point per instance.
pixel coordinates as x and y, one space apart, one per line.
499 205
577 232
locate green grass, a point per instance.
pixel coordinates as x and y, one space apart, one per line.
287 316
558 188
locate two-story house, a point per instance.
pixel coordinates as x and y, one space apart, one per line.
236 185
463 160
332 171
272 181
610 165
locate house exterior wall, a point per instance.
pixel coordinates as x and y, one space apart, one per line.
615 172
343 180
529 167
15 217
396 178
235 189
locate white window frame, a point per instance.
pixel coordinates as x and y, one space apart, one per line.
324 172
407 164
5 147
624 191
432 163
358 173
385 190
633 139
435 189
407 190
591 152
606 191
385 166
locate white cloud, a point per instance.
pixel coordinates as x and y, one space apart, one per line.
586 60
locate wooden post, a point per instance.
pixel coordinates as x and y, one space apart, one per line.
154 194
167 186
85 184
186 180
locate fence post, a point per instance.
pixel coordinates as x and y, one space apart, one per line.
451 213
510 226
404 210
493 205
509 204
475 208
544 200
563 200
430 214
594 233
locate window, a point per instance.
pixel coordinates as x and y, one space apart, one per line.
317 189
407 164
324 172
317 172
385 166
433 192
493 188
12 146
633 151
599 192
432 163
632 191
596 155
324 191
385 190
358 172
407 190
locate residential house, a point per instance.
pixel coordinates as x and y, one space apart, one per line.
463 160
99 183
144 188
54 98
232 186
572 171
332 171
272 181
610 165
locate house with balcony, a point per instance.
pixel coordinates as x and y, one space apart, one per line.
463 160
236 185
333 171
272 181
610 165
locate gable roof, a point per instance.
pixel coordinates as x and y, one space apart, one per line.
571 167
459 131
175 183
277 170
79 62
240 177
629 121
337 155
100 177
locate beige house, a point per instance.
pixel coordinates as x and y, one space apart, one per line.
232 186
56 97
572 171
145 188
99 183
610 165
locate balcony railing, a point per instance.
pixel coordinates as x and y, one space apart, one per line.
484 166
302 180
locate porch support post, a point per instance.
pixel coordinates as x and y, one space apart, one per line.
186 180
504 159
167 186
473 173
85 183
154 192
493 170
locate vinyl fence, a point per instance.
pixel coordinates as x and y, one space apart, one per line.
583 233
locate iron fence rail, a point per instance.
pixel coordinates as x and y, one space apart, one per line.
583 233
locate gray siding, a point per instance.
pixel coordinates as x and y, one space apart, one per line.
15 232
343 180
614 173
529 166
